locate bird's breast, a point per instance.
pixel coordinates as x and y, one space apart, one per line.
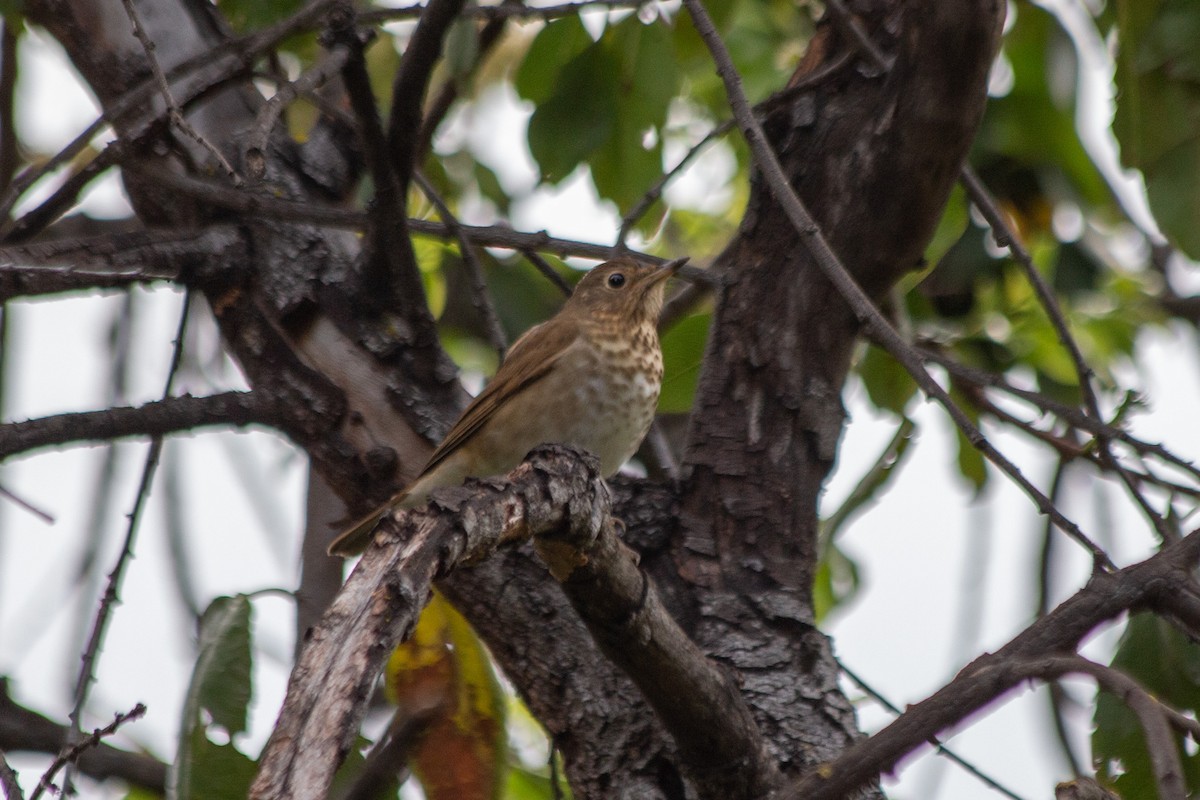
601 396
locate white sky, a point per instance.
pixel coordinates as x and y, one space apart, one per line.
939 588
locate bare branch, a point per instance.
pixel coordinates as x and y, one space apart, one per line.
481 296
174 113
24 504
23 730
499 236
112 588
557 498
1154 717
159 418
939 748
864 310
310 80
71 754
203 72
505 11
8 780
1006 236
1107 595
1068 414
121 259
64 197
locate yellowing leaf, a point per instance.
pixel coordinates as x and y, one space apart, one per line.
462 754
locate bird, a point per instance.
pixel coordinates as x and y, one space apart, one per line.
589 376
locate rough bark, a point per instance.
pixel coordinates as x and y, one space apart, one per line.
874 154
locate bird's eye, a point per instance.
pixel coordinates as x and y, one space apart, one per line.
616 280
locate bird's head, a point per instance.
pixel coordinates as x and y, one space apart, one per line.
623 290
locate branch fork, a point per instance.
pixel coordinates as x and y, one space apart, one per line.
557 498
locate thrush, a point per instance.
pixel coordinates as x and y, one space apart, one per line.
589 377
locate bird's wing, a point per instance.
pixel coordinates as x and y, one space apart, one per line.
524 366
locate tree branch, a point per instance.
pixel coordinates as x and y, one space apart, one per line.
864 309
120 259
23 730
157 418
1106 596
557 498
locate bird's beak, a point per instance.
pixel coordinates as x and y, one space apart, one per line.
667 270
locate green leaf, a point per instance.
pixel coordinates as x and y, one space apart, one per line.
835 583
556 46
887 382
683 352
971 463
648 77
951 226
221 680
525 784
1157 118
870 487
579 117
461 48
217 771
1076 270
219 691
1033 127
1163 661
248 15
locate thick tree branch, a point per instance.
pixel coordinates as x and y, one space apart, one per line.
1145 585
157 418
557 498
194 257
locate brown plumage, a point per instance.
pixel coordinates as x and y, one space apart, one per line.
589 376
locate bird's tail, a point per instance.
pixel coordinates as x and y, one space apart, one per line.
355 539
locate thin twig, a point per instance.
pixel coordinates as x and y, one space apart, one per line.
103 613
1058 694
285 94
334 217
550 273
174 113
941 749
850 25
503 11
481 296
864 310
1006 236
217 65
1069 414
773 102
44 516
1154 717
71 753
8 780
64 197
1106 596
